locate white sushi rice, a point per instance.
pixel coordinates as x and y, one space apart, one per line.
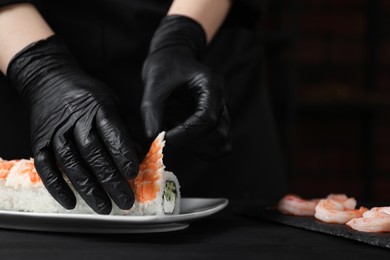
34 199
163 203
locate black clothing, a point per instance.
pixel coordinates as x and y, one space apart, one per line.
110 39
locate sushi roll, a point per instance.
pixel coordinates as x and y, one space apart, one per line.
22 189
156 190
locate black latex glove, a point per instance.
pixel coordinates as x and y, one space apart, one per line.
181 95
75 128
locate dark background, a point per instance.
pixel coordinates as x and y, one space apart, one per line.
328 70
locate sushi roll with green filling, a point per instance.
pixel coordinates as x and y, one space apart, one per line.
157 191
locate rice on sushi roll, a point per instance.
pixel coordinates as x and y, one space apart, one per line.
156 190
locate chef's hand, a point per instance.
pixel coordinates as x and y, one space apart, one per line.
181 95
75 128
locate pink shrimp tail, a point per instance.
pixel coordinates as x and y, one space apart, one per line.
151 169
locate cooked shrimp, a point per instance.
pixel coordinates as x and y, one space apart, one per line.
374 214
382 209
349 203
5 167
151 169
24 174
374 220
295 205
331 211
28 168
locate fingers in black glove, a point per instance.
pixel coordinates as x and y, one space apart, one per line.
74 125
52 178
95 155
218 138
79 175
173 66
118 143
206 114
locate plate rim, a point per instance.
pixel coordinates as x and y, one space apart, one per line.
220 203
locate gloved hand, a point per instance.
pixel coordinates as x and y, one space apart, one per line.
181 95
75 128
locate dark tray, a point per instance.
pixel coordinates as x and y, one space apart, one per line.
312 224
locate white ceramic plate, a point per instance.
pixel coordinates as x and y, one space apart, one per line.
191 209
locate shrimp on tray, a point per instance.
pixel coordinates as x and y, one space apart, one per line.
375 220
347 202
295 205
338 210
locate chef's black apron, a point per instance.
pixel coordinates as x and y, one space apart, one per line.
110 39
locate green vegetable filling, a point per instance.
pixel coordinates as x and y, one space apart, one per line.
170 191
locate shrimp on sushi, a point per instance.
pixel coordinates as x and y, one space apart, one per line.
156 190
23 174
5 167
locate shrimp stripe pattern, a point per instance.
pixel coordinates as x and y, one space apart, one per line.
376 219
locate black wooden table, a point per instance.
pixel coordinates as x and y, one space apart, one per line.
227 235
